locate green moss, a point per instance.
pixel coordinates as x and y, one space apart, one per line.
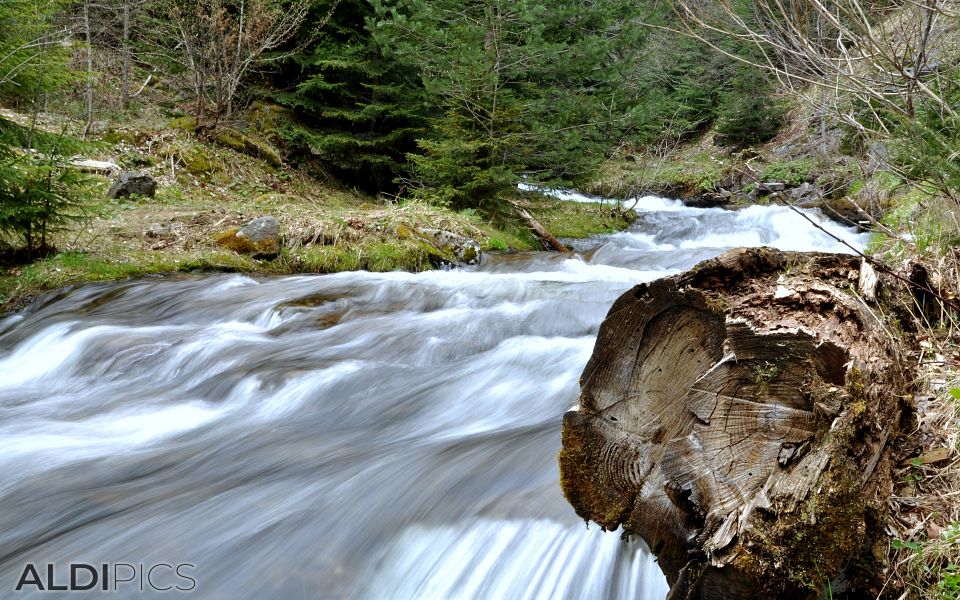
411 237
186 123
807 549
583 484
197 160
858 393
247 144
716 303
470 255
192 156
265 118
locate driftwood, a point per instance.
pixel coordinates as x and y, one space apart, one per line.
540 230
740 418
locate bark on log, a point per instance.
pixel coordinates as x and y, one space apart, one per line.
740 417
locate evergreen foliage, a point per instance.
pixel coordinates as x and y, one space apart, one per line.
525 90
356 106
462 99
32 58
748 114
40 194
683 86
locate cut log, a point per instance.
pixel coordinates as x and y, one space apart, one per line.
739 418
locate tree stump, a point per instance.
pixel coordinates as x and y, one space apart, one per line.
739 418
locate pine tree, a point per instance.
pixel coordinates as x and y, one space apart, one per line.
683 86
40 193
356 107
32 60
525 90
749 113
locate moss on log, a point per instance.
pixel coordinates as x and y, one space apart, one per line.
740 417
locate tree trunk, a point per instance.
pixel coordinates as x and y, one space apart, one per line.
89 85
125 72
739 418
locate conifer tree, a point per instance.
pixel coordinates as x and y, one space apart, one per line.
527 90
32 60
356 107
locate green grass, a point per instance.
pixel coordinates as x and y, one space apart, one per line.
213 188
67 268
577 219
379 257
933 564
929 222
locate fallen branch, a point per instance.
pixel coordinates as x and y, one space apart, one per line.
539 229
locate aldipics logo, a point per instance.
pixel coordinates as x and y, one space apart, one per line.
107 577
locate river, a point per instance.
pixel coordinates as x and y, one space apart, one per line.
357 435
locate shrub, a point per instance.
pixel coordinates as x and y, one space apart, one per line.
40 194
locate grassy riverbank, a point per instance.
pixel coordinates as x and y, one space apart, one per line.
206 188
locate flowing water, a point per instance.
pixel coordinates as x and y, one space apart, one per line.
355 435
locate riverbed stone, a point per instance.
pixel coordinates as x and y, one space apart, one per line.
132 183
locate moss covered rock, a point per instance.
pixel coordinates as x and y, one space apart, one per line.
260 238
449 246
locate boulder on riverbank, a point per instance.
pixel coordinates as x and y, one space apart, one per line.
260 238
133 183
464 249
740 418
443 246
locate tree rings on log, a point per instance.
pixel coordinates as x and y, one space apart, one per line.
738 417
